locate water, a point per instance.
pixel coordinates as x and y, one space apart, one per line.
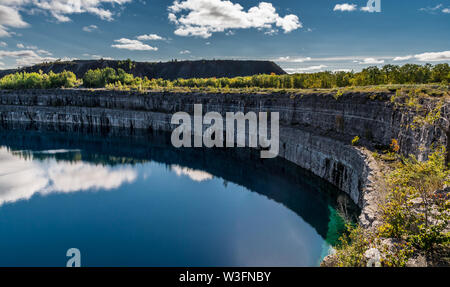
136 201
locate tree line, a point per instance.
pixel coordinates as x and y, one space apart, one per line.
111 78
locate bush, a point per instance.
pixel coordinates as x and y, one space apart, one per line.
413 211
39 80
414 215
353 244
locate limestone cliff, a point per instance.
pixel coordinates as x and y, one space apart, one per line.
315 129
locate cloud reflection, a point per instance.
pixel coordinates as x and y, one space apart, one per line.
21 178
195 175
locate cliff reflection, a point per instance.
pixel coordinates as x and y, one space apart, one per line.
95 159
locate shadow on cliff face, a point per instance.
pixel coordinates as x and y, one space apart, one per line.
316 201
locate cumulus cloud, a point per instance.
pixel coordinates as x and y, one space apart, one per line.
3 44
305 69
293 60
59 9
20 46
25 57
185 52
345 7
150 37
30 61
405 58
132 45
433 57
14 54
371 61
426 57
97 57
10 17
202 18
446 10
90 28
44 52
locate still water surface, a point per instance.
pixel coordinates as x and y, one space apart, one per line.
136 201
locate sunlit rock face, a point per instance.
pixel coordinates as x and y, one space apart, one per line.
21 177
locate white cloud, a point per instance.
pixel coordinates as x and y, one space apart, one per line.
202 18
405 58
433 57
90 28
305 69
345 7
97 57
436 9
25 57
44 52
431 9
342 70
133 45
3 44
30 61
59 9
22 46
150 37
426 57
2 64
371 61
10 17
293 60
15 54
185 52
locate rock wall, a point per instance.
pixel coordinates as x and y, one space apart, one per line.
315 129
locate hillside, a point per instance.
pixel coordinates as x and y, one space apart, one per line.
167 70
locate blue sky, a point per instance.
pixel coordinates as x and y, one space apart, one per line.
300 35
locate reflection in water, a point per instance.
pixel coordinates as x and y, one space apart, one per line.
195 175
21 177
165 206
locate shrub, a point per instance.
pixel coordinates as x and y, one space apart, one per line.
413 214
353 244
413 211
39 80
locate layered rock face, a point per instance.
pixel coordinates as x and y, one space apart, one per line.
315 129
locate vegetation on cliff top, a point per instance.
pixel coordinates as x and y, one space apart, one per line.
415 215
121 80
39 81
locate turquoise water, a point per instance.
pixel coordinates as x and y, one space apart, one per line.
133 200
